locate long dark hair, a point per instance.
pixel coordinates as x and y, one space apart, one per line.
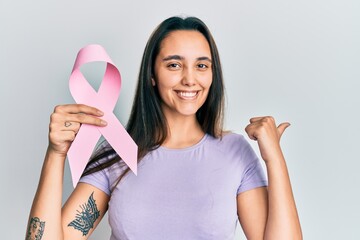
147 124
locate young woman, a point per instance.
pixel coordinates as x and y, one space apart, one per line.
194 180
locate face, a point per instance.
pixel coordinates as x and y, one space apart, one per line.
183 73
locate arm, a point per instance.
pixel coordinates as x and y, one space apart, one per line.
283 221
46 218
83 211
252 207
271 212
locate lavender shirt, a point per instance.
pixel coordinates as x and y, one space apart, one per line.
187 193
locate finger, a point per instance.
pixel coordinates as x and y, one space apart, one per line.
281 128
78 108
62 136
250 130
71 126
68 136
85 119
255 119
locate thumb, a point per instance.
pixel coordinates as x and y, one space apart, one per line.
281 128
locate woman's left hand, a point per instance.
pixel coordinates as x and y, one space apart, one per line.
264 131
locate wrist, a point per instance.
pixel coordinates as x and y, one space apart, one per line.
275 155
51 153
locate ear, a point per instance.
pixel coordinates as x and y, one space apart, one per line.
153 82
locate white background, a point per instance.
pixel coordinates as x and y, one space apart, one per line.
298 61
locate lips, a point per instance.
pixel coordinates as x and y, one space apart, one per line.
187 95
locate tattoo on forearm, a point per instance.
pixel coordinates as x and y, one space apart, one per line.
85 219
35 229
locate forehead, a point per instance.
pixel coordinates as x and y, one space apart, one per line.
185 42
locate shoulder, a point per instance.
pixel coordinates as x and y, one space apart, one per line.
229 141
104 167
232 146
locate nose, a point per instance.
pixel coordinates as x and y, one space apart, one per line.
188 78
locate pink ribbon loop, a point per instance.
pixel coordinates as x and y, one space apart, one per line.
105 100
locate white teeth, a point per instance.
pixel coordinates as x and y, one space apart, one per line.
187 94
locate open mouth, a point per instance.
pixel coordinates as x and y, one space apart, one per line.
187 94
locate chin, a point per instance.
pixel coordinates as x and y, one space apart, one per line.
181 110
188 112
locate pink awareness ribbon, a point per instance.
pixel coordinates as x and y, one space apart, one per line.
105 100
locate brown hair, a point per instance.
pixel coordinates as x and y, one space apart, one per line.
147 124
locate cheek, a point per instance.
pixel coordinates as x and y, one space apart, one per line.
206 80
166 81
164 89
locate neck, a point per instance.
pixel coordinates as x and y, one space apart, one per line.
184 131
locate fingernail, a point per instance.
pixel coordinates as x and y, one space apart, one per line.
100 112
104 123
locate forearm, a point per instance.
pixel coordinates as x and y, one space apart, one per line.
48 199
283 221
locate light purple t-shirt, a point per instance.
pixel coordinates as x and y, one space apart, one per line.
187 193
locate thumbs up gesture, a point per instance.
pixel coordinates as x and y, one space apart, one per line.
267 134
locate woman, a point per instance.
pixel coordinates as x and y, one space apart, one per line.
194 180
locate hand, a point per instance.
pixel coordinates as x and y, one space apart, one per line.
65 123
264 131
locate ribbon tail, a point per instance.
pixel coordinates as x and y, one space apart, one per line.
121 141
81 150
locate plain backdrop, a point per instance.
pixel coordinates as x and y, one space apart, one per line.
298 61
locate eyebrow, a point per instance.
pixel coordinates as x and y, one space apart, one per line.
177 57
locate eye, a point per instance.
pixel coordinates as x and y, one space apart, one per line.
202 66
173 66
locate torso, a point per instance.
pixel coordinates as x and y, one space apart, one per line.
185 193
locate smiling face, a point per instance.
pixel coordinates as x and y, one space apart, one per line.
183 72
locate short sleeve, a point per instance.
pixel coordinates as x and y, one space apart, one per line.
253 176
99 179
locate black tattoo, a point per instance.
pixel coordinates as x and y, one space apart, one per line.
36 229
85 219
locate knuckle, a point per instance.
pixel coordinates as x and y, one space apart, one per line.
51 126
82 107
266 119
53 117
72 136
53 135
79 106
81 117
269 118
58 108
77 128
